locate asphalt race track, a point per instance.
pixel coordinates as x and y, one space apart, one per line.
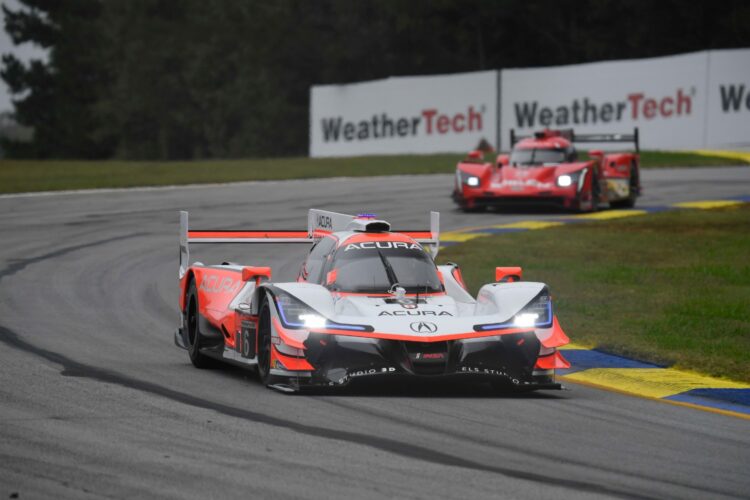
97 402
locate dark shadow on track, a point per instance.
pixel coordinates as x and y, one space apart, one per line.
462 386
72 368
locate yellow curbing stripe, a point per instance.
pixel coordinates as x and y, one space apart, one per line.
460 237
652 382
708 204
573 346
735 155
528 224
470 233
729 413
611 214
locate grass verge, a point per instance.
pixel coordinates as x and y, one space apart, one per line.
18 176
30 175
670 288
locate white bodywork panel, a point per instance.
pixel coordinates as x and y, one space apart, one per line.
453 288
506 299
497 303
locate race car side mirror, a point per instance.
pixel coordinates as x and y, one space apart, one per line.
255 273
508 274
502 160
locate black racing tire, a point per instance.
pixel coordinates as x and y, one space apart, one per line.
595 193
192 329
596 190
474 210
629 202
264 342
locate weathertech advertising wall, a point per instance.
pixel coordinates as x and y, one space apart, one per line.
689 101
728 120
664 97
426 114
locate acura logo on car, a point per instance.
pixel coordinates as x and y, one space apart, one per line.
423 327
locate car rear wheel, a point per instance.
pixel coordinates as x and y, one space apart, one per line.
629 202
264 342
192 327
596 192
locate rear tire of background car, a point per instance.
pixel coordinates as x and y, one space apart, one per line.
629 202
192 328
264 342
596 191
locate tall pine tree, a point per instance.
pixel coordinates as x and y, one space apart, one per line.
57 98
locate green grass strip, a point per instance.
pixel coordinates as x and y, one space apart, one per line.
18 176
670 288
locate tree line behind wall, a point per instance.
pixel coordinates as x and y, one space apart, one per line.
177 79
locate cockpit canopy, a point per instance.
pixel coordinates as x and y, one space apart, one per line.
376 266
542 156
372 266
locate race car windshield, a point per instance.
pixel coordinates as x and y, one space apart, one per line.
537 157
375 269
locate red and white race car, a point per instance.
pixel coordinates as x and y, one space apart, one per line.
368 302
544 169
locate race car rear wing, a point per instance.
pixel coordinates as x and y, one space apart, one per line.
570 135
319 223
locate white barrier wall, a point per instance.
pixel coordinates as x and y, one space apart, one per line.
728 120
664 97
689 101
428 114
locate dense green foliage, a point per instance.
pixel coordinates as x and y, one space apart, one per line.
176 79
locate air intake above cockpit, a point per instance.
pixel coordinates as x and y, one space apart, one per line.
367 223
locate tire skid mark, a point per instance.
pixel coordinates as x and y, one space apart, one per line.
73 368
22 264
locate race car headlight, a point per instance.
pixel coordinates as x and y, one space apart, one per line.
525 319
537 313
564 180
312 320
468 179
296 314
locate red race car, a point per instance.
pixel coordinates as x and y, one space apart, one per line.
544 169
